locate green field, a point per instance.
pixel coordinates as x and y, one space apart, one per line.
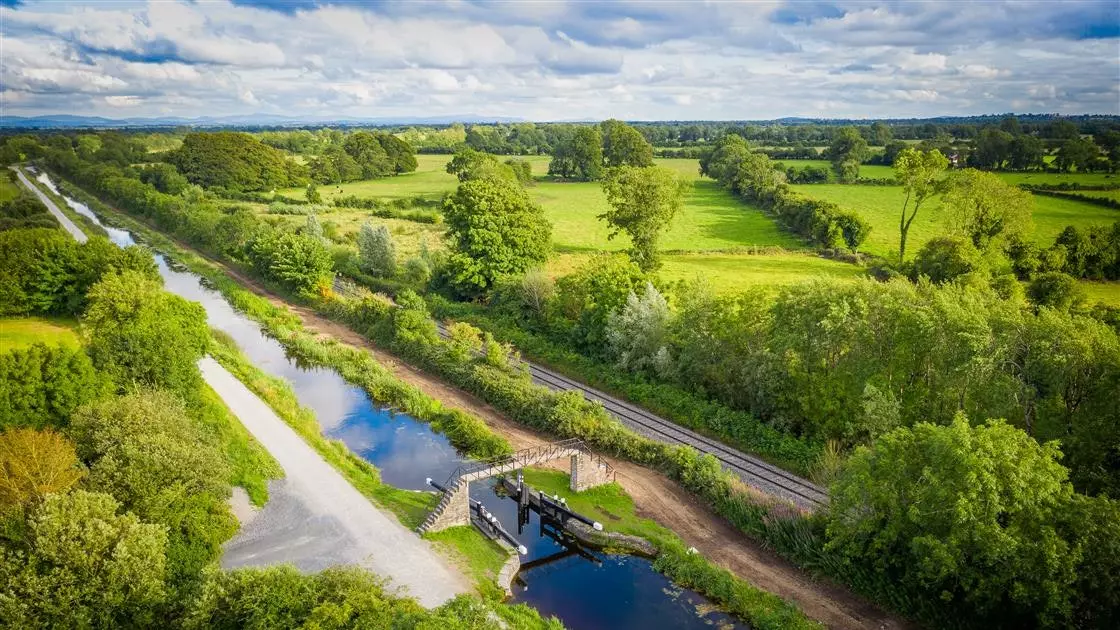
8 189
870 171
1100 194
881 206
20 332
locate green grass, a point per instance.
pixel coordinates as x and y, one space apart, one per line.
611 506
1100 194
476 556
735 272
20 332
1103 292
1059 178
8 189
869 171
881 206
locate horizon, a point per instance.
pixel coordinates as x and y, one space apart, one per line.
558 61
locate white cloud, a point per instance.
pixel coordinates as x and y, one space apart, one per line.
555 60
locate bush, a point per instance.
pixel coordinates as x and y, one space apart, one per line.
34 464
946 258
40 386
1055 290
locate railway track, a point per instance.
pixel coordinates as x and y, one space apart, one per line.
752 470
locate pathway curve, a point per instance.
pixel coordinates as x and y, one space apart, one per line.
67 224
315 519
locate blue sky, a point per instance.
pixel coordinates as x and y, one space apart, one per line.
546 60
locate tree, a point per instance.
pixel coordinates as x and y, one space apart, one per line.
312 194
723 162
148 453
300 261
578 155
334 166
494 229
879 134
138 333
1079 153
638 333
34 464
368 154
946 258
967 514
1056 290
597 289
1010 124
992 148
919 172
402 157
232 160
1025 153
313 228
847 151
376 253
468 164
984 208
623 145
83 565
41 385
643 202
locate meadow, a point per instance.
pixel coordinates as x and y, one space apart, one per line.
8 189
712 237
20 332
881 207
715 236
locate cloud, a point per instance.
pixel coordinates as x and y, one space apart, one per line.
560 60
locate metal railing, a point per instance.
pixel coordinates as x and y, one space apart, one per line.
541 452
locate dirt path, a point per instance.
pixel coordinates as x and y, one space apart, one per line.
655 496
315 519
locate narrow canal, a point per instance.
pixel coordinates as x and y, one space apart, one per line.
588 590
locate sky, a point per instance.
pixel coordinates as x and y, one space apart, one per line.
563 60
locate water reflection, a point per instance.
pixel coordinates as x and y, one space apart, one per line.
609 591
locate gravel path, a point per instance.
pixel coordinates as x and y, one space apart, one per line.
315 519
67 224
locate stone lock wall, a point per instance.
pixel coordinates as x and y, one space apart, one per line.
587 473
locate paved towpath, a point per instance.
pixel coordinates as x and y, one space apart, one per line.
67 224
315 519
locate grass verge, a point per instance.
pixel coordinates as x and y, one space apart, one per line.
20 332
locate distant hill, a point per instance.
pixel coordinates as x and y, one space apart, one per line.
67 121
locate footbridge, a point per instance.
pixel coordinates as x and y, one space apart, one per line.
587 471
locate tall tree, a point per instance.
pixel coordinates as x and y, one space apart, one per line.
1079 153
578 155
847 151
879 134
623 145
969 514
920 174
722 163
643 202
369 155
494 229
986 209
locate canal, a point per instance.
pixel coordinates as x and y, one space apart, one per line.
614 591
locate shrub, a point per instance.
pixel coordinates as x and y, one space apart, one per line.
34 464
1055 290
946 258
41 385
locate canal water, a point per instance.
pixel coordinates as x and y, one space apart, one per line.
586 590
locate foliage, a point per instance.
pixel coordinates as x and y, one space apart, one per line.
643 202
234 161
578 155
920 173
468 164
299 261
164 178
375 250
985 209
946 258
495 229
137 333
25 211
637 333
623 145
146 452
588 297
83 565
1055 289
968 513
47 271
34 464
41 385
847 151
